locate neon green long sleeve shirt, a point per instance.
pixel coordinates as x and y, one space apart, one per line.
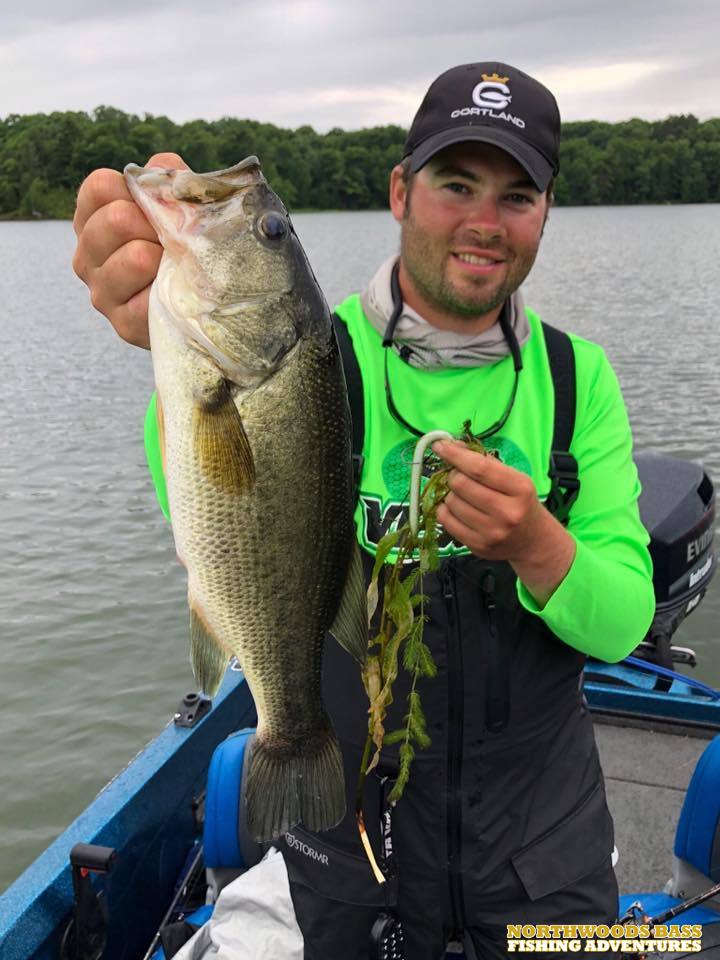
605 603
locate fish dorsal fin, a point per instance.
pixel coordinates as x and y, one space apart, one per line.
350 627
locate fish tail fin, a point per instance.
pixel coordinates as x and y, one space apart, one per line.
209 659
303 783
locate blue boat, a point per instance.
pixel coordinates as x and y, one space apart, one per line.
144 850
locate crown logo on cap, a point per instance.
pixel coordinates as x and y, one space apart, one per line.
494 78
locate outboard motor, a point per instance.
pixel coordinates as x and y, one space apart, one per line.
677 507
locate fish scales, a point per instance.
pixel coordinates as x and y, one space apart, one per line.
264 597
255 432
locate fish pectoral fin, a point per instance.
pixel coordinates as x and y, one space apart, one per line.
221 444
350 627
208 657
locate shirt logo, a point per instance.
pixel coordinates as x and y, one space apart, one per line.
384 511
493 93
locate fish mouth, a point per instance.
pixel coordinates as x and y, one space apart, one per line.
175 201
191 187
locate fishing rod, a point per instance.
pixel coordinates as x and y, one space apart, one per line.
685 905
182 891
635 913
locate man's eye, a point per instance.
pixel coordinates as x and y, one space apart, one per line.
455 187
520 198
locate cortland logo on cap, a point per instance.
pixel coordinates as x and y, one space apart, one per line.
493 92
491 96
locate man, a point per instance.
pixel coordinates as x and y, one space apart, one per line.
504 819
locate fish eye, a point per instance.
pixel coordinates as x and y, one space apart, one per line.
273 225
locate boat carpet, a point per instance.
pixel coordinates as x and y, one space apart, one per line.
647 772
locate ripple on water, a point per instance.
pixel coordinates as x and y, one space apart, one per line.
94 656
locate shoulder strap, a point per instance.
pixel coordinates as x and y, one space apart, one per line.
353 378
563 468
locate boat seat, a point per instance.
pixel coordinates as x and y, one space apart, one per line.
696 861
697 840
229 849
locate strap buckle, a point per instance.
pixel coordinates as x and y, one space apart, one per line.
564 468
564 484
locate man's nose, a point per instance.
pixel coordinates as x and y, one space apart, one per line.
485 217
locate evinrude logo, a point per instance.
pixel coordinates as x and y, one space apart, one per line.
696 547
306 850
491 96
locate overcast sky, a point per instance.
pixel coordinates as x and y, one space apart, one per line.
352 64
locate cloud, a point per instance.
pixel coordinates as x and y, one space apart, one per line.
329 64
600 90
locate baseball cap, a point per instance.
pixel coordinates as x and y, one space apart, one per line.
491 103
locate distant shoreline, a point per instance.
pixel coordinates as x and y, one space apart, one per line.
47 156
13 218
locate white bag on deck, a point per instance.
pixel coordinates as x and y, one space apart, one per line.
253 918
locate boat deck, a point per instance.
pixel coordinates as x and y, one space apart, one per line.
647 772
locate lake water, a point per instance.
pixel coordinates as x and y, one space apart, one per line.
92 611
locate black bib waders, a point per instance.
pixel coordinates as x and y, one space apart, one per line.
504 819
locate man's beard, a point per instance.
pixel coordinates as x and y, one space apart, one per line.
426 266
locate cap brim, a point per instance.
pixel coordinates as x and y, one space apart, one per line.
532 160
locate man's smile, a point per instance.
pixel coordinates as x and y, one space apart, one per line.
480 264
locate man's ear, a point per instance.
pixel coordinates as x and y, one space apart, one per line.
398 193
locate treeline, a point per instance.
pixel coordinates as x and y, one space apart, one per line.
44 158
676 160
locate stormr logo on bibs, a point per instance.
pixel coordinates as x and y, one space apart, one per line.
491 98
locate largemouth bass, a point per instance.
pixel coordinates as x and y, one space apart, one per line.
255 435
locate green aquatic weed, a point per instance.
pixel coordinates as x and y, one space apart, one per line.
399 637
